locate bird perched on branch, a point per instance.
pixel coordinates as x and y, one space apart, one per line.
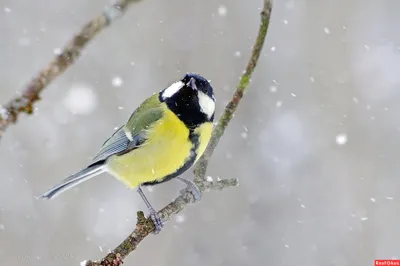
162 139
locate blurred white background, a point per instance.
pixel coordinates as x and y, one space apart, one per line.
314 142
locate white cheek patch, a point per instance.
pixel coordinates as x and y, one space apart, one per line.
171 90
207 104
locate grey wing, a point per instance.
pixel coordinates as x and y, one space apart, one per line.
118 143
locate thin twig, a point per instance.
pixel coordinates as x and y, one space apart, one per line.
9 113
144 225
201 166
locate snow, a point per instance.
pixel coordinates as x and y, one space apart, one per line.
180 218
238 53
285 22
373 199
2 227
364 218
278 104
57 51
294 95
341 139
273 89
7 9
117 81
3 113
112 12
83 263
222 11
326 30
273 48
80 99
312 79
209 179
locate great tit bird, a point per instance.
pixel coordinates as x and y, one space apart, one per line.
162 139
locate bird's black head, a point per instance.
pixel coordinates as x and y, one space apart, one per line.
191 99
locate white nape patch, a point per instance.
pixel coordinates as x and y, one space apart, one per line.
207 104
171 90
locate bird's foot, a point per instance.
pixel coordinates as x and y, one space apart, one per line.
158 222
192 188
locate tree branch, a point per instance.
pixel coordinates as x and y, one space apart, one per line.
241 88
9 113
144 225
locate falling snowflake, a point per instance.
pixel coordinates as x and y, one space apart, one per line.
57 51
341 139
180 218
80 99
326 30
117 81
222 11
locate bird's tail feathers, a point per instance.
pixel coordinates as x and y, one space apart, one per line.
74 180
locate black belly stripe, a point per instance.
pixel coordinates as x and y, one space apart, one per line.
194 139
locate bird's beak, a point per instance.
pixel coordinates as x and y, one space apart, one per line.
192 84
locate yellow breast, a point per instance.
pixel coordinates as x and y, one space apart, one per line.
167 149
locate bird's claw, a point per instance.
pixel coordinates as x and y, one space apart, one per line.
158 222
